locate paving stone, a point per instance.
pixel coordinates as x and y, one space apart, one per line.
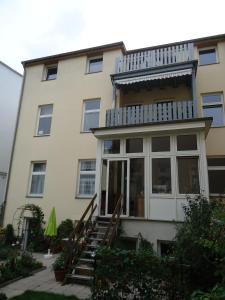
45 281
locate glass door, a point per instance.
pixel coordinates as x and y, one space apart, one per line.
114 183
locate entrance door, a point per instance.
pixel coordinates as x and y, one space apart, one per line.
123 177
114 184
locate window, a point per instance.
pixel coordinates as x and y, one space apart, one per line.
51 72
207 56
91 114
134 145
160 144
216 170
37 178
95 65
165 248
87 178
111 146
188 178
161 175
186 142
45 120
212 105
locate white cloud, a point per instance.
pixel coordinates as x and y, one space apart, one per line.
31 28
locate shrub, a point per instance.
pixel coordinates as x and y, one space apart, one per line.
217 293
65 229
59 263
3 296
9 234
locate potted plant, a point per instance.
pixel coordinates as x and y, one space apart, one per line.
59 267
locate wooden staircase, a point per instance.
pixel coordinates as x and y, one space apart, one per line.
87 237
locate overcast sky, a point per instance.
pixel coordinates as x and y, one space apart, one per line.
36 28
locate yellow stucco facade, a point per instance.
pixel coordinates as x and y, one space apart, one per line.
67 144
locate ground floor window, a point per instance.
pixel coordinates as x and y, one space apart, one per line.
87 169
161 176
37 178
188 175
216 171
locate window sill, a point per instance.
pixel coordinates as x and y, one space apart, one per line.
87 73
43 135
216 63
85 132
48 79
84 197
33 196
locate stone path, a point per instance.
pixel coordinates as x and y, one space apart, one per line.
45 281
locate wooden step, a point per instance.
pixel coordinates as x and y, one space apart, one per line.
96 239
82 279
86 260
84 267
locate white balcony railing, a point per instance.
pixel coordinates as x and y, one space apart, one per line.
155 58
158 112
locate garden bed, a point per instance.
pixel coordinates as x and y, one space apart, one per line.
42 296
18 266
21 277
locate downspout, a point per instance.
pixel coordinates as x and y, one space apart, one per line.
13 147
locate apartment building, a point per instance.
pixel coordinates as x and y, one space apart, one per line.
10 87
146 123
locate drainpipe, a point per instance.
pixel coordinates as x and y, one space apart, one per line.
13 146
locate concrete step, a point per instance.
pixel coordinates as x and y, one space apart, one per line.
86 260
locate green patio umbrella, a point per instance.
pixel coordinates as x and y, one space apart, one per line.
51 229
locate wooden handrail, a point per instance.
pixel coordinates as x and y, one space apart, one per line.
80 222
78 233
113 223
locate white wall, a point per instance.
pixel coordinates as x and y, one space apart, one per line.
10 87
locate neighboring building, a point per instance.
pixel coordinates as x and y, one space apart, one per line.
10 87
154 139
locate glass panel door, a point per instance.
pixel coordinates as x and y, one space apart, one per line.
117 184
136 197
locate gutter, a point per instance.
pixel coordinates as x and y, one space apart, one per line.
14 143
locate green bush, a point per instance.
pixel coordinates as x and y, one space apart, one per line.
217 293
65 229
3 296
9 235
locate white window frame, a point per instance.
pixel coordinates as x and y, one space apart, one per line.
36 173
89 59
85 196
90 111
41 117
216 168
214 104
45 73
208 48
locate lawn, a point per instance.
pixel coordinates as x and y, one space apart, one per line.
30 295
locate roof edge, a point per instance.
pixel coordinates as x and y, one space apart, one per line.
66 55
197 40
11 69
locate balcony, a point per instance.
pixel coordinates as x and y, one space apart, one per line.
151 113
160 57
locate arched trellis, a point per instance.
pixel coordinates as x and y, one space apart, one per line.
28 211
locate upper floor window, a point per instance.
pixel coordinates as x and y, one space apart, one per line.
51 72
212 105
95 65
44 120
207 56
91 114
37 178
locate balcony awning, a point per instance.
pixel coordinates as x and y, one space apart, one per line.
151 77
